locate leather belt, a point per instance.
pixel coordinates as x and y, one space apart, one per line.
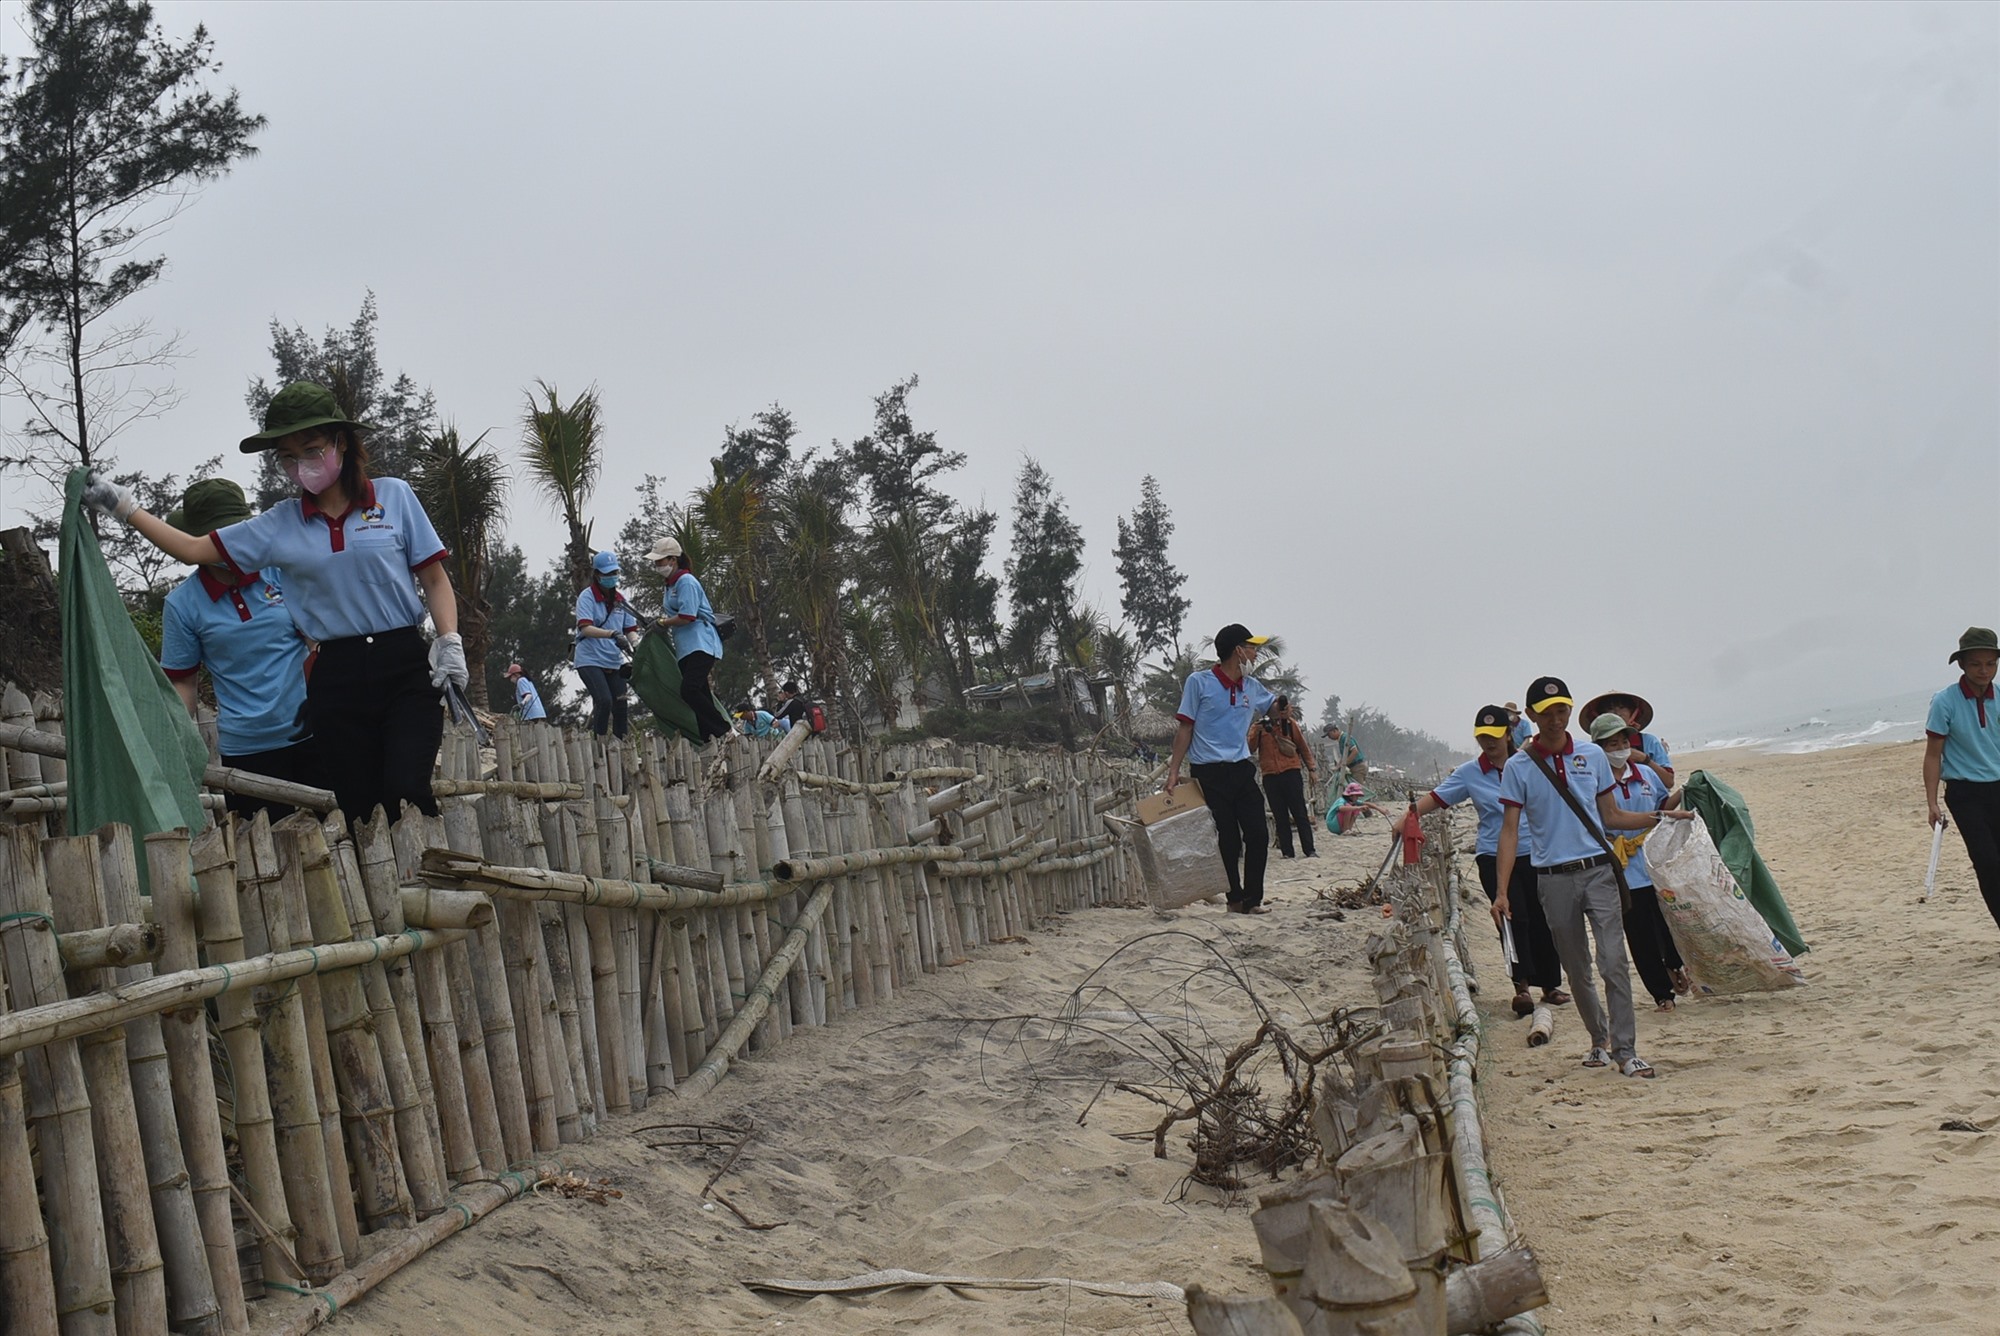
1580 865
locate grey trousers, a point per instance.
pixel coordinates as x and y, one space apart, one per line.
1568 900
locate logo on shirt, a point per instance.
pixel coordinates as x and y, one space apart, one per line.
372 515
272 594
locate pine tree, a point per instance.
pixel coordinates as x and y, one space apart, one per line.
1043 572
1152 598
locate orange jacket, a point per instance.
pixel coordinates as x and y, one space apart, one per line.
1270 759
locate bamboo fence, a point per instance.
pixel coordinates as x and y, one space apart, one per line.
311 1053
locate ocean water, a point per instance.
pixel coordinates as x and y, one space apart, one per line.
1885 719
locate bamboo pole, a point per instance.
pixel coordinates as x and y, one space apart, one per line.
612 1050
781 757
250 785
76 879
189 1186
312 1193
703 1078
499 821
256 1133
488 976
58 1103
115 945
544 791
27 1285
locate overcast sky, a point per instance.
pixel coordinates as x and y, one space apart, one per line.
1651 346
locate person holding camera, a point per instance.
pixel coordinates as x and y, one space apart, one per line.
1285 761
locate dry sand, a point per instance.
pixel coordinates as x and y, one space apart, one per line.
1785 1173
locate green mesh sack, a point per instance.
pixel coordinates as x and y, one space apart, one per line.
134 755
656 680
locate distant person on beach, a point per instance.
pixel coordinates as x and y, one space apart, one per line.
1349 808
1962 748
1561 790
239 628
527 699
752 722
1636 712
1519 729
604 626
1285 759
1638 788
1213 738
1535 962
1348 760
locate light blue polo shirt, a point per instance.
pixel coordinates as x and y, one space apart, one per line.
1524 728
1554 834
1656 751
1479 781
354 575
593 610
759 724
1640 791
1970 728
244 636
1221 712
686 598
528 700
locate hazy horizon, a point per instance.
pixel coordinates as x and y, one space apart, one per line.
1652 346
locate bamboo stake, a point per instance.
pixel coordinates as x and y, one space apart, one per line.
488 976
612 1049
476 1065
625 940
703 1078
565 1056
189 1187
58 1103
27 1285
465 788
138 1272
519 933
256 1135
310 1186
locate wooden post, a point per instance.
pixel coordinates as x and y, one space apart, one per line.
138 1275
27 1285
58 1102
256 1141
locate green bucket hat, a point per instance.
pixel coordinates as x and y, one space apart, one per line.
209 505
1975 637
299 406
1607 726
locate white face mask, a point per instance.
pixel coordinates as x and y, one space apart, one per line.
1619 756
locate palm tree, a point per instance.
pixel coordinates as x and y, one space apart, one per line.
563 445
464 491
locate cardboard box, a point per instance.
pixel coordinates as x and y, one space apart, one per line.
1157 807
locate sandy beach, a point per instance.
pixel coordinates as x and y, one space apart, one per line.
1785 1173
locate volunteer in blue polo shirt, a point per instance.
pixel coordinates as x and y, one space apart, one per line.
241 631
1962 748
355 552
603 624
1214 739
1636 712
1561 790
697 643
1478 782
1639 788
527 700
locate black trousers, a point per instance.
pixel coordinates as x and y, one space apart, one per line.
1975 806
608 711
1651 944
1535 962
700 697
1286 792
1230 790
377 722
299 763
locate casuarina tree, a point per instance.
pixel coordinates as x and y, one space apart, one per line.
1042 574
105 133
1151 583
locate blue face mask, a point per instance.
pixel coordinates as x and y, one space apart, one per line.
609 579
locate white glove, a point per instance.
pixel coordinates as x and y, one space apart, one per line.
448 662
107 497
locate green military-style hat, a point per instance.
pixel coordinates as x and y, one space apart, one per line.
300 406
211 504
1975 637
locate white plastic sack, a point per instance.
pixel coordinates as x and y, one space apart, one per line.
1725 942
1180 859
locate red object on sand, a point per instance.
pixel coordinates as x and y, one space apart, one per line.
1413 839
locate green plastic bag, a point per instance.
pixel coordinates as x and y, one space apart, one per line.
1727 817
135 757
656 680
